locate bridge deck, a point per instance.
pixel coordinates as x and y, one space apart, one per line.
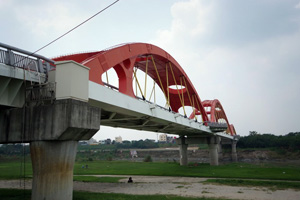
123 111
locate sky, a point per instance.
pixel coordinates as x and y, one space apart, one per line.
244 53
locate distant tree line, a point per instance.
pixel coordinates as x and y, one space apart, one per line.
14 149
141 144
290 141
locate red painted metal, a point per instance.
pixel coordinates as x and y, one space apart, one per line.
217 112
125 57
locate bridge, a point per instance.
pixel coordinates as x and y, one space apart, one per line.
53 103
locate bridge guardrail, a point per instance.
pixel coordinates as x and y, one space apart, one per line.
20 58
214 126
41 93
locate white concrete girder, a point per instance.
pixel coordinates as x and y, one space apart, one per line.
129 108
21 74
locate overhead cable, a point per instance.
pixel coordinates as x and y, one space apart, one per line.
74 28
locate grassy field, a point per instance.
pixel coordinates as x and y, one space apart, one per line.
12 194
97 179
12 170
233 170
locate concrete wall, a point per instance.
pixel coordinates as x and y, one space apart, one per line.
159 155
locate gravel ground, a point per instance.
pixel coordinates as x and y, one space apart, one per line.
183 186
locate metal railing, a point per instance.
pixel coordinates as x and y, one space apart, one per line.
20 58
41 92
149 102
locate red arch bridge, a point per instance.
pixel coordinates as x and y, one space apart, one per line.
53 103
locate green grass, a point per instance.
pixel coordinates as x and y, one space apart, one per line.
14 170
97 179
11 170
13 194
233 170
274 185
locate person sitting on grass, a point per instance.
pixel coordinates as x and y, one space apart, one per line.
130 180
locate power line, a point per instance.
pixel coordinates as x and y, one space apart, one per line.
77 26
73 28
24 108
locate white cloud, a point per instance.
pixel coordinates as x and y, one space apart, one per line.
256 79
5 3
47 19
244 53
190 20
191 17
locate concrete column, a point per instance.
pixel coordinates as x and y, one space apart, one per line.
52 163
220 152
183 152
233 151
213 154
213 150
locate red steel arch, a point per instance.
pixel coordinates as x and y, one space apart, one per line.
124 58
217 112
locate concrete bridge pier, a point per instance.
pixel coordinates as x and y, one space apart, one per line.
52 163
220 150
183 151
53 128
53 131
233 151
213 143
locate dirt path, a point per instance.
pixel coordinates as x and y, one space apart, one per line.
182 186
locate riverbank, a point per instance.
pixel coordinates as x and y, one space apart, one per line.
179 186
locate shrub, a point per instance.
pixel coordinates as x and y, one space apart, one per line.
109 158
148 159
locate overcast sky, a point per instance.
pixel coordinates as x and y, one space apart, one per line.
244 53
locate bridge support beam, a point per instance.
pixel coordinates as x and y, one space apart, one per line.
52 163
233 151
213 143
183 152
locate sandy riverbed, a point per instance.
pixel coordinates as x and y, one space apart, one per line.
183 186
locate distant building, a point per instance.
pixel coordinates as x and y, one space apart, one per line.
83 143
162 138
102 141
108 141
133 154
118 139
92 141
